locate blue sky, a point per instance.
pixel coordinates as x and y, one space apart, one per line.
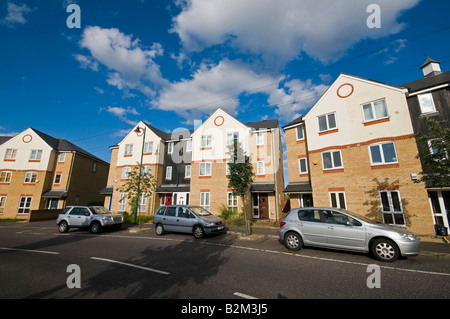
170 62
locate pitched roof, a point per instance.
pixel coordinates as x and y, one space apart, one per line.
4 138
428 82
298 120
266 124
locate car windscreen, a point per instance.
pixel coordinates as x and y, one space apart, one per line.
200 211
99 210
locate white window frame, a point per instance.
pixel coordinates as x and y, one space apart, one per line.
328 128
420 98
373 111
189 146
381 151
122 202
10 153
206 141
207 169
169 172
57 181
187 171
2 203
231 137
24 205
170 148
30 178
128 149
148 147
146 171
232 201
35 155
62 157
260 168
205 200
125 173
300 165
392 210
302 137
337 199
142 202
333 165
259 138
7 176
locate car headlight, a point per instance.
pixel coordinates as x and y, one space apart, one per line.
209 224
409 237
107 218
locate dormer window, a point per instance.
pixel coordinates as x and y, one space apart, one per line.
426 103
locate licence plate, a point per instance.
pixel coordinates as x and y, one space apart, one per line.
220 228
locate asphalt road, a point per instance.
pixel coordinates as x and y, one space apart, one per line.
36 261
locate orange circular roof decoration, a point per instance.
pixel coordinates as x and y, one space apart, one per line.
219 120
27 138
345 90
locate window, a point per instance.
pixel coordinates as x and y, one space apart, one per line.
125 172
36 155
436 146
128 149
259 138
10 154
188 145
24 205
332 160
57 180
383 153
231 137
337 200
2 203
426 103
204 200
148 147
142 202
205 169
375 110
62 157
5 177
302 166
327 122
338 218
30 177
94 167
169 172
232 202
146 171
309 215
206 141
170 148
391 207
122 202
260 169
299 133
187 172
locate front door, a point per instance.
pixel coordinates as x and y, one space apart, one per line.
168 199
263 205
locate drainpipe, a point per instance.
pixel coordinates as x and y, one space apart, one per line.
274 175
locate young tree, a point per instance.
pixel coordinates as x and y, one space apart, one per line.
434 153
137 183
240 176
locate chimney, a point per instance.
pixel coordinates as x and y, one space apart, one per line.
431 67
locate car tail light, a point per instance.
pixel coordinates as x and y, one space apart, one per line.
282 224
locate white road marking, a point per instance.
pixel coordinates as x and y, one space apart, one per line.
131 265
239 294
32 251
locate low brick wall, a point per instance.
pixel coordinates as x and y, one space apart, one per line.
44 214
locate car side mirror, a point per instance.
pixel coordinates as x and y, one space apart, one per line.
87 214
349 223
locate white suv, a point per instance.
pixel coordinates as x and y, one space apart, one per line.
92 217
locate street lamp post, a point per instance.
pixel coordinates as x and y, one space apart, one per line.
137 131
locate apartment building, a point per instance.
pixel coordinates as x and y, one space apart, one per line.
210 147
360 154
146 144
38 171
430 97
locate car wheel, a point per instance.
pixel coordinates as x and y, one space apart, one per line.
385 250
159 230
63 227
293 241
95 227
199 232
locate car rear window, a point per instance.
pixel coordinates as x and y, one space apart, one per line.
171 211
66 210
309 215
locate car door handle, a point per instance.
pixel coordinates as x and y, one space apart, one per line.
330 227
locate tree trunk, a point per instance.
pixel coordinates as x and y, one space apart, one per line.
247 217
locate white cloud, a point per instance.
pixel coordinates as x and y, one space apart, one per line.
122 113
86 62
279 31
131 65
15 14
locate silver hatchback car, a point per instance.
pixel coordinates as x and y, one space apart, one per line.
337 229
187 219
